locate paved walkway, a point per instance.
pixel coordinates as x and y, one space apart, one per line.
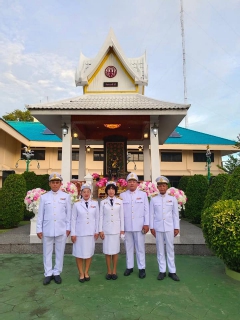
204 292
191 241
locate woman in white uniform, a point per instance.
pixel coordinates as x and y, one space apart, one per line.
84 231
111 227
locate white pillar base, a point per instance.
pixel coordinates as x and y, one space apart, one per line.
33 235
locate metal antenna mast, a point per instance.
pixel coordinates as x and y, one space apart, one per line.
184 60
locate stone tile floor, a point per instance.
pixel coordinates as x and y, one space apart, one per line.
204 292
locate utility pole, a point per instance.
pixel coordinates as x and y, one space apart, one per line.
184 60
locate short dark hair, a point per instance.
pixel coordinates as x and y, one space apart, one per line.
111 186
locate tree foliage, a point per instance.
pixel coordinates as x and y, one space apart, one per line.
18 115
216 189
196 192
238 142
12 205
183 182
230 165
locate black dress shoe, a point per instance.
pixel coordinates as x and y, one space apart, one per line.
57 279
47 280
128 272
161 275
108 276
87 278
173 276
114 276
81 280
142 273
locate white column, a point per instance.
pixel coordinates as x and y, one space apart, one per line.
155 159
82 160
67 151
146 160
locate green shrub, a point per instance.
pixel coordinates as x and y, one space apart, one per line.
216 189
182 185
221 229
196 192
32 182
43 181
232 190
183 182
12 205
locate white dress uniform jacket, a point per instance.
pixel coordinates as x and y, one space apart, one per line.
136 210
111 217
54 214
164 213
85 220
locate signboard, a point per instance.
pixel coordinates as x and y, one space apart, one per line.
110 84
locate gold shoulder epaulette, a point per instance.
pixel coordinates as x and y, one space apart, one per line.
104 198
154 195
119 198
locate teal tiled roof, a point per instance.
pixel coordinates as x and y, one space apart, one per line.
188 136
33 131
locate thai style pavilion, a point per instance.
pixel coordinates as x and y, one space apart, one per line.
113 111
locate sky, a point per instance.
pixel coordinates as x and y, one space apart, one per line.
41 40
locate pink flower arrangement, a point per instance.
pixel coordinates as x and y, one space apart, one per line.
149 188
179 195
71 189
122 182
95 176
102 182
32 198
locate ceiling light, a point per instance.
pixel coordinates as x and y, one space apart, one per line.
112 125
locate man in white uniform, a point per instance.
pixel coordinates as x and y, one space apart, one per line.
164 225
53 226
136 224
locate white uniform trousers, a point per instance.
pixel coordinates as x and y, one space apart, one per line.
161 258
137 239
48 242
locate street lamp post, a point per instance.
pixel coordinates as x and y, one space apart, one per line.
28 154
208 163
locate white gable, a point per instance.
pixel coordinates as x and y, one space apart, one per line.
135 67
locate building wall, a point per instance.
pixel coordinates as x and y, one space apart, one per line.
10 151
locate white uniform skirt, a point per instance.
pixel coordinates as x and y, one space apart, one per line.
111 244
84 247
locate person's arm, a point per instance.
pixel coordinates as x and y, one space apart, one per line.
68 218
100 227
151 214
146 213
175 214
96 221
40 218
73 223
121 219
